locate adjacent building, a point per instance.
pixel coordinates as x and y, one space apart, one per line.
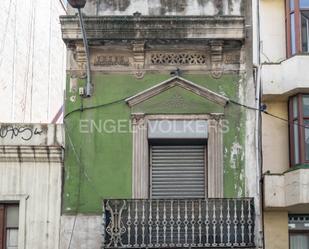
31 159
32 79
32 61
284 29
164 153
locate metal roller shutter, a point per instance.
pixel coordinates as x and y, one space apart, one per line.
178 171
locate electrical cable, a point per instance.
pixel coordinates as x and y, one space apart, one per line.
81 109
269 114
79 188
82 170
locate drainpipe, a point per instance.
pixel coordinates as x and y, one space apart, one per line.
79 4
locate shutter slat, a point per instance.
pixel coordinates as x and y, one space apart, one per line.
178 171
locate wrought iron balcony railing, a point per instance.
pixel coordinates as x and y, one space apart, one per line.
175 223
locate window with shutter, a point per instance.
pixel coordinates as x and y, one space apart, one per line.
178 171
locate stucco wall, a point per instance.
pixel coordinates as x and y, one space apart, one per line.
40 185
100 163
32 61
275 135
85 231
276 230
272 28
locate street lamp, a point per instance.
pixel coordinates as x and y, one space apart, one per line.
79 4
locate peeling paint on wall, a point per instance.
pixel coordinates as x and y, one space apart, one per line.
236 153
111 154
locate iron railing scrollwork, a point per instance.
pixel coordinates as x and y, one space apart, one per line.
207 223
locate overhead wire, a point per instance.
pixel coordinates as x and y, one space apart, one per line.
270 114
82 109
82 170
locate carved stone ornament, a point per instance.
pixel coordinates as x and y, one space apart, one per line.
139 58
79 56
217 72
216 50
138 118
106 60
139 74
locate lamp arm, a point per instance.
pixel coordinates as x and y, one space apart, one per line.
88 87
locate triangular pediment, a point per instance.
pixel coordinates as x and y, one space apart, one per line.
181 83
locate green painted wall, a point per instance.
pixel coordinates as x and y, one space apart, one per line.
98 163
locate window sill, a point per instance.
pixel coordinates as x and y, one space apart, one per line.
297 167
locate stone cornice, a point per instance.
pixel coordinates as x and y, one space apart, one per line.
43 154
154 27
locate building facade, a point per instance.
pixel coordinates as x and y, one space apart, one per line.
284 61
164 152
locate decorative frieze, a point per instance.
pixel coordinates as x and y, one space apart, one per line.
232 57
111 60
184 58
138 58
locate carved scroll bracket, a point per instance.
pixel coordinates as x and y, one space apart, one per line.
139 58
216 50
79 59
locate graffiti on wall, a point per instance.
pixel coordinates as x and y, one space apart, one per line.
26 133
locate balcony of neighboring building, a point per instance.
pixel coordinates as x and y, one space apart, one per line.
284 79
288 191
284 48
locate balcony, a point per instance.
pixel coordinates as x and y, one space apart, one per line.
207 223
287 191
281 80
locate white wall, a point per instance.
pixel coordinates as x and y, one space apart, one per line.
40 185
272 22
32 60
85 234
